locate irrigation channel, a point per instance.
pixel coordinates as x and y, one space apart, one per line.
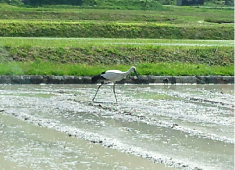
151 127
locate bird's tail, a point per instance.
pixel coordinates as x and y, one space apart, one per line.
94 79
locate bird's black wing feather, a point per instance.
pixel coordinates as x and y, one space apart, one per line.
94 79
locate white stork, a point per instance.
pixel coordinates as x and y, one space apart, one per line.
111 76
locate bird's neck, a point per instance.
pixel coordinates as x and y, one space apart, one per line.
128 71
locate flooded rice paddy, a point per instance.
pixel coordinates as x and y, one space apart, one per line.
151 127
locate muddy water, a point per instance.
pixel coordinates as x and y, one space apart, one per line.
151 127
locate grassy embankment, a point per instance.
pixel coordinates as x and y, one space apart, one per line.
53 56
107 29
64 56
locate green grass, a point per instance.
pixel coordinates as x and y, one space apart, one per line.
160 69
157 42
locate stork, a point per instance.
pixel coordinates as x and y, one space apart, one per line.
111 76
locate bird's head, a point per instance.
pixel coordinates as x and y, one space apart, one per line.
134 70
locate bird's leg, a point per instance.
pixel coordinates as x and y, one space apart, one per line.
114 92
97 91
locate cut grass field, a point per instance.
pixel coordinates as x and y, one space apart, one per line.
99 42
167 14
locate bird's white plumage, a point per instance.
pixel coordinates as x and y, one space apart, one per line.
114 75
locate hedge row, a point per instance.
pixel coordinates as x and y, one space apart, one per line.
113 30
111 55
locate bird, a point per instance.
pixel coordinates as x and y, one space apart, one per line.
112 76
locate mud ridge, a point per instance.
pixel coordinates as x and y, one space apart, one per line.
154 122
41 79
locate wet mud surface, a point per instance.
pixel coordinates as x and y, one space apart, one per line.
151 127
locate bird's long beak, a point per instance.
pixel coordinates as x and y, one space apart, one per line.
136 74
